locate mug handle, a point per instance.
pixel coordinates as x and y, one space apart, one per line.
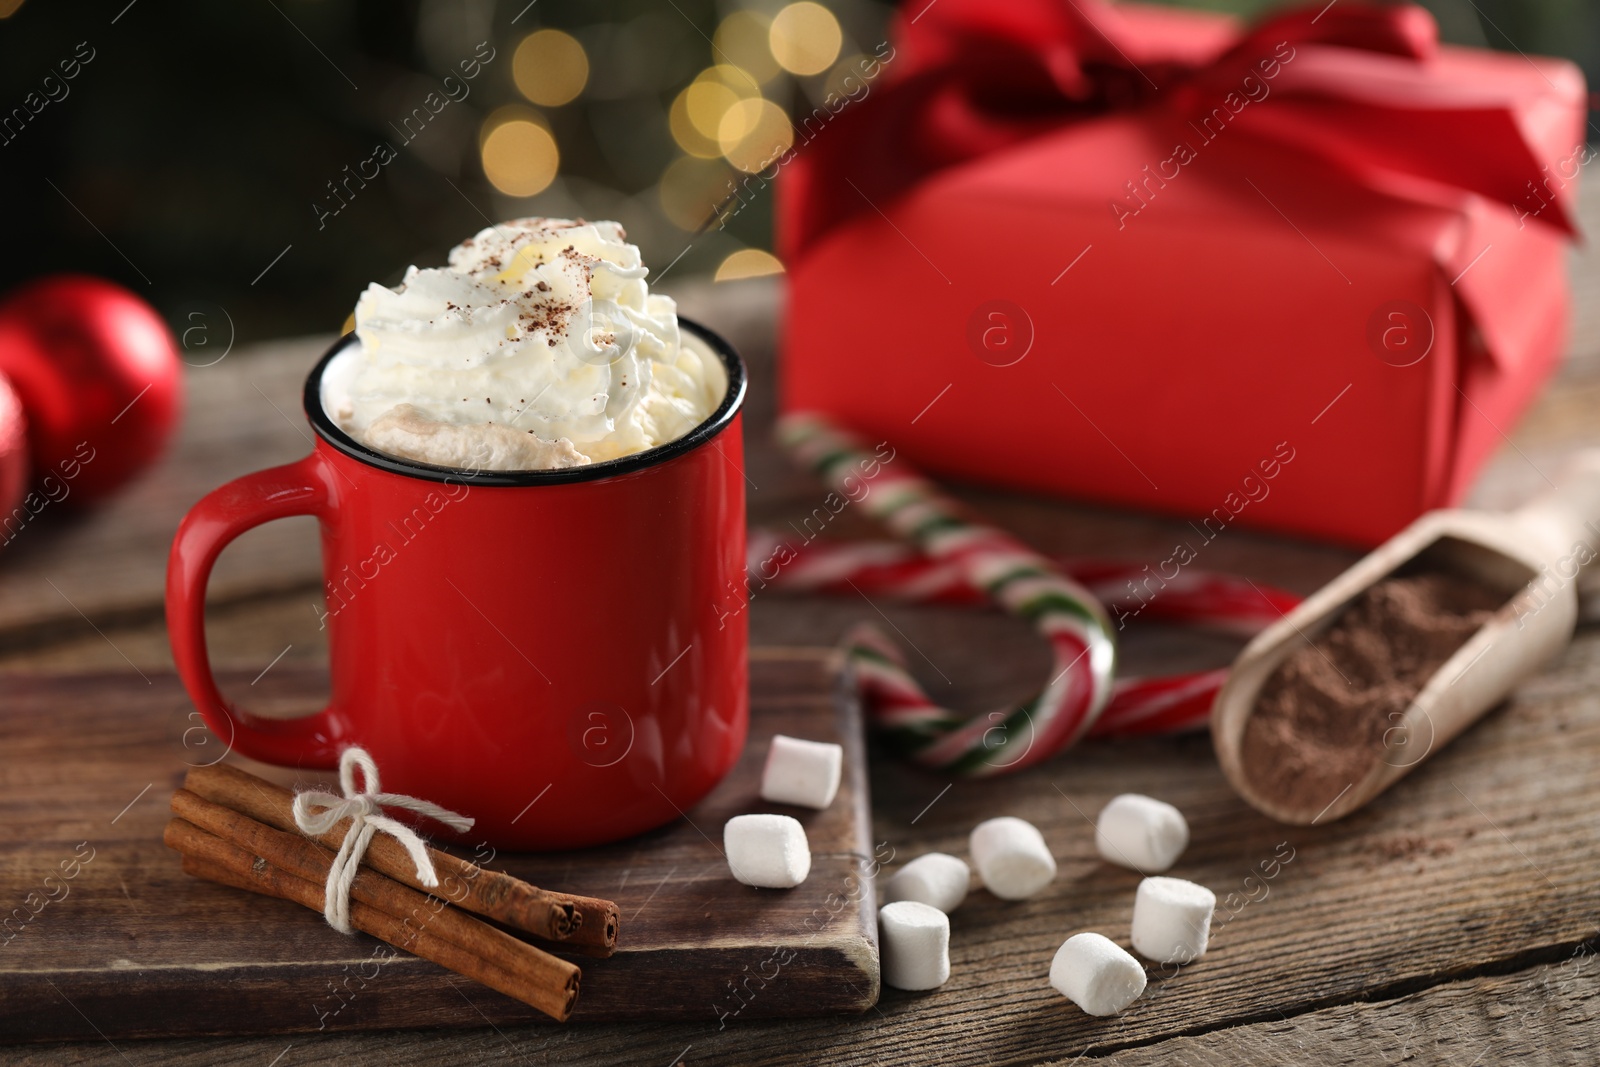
299 488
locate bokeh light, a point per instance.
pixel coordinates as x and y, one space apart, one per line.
805 38
691 190
520 157
696 114
741 40
707 100
684 133
550 67
753 133
748 263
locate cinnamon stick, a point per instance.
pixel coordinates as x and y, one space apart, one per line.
532 976
582 924
304 858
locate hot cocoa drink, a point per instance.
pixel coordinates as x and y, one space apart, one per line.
539 346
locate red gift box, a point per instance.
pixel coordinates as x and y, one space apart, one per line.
1301 277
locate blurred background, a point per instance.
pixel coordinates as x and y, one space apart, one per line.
271 157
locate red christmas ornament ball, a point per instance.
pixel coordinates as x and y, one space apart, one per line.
13 455
99 377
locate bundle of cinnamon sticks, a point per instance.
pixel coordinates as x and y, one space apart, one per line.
239 830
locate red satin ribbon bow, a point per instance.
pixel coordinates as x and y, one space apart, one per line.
970 77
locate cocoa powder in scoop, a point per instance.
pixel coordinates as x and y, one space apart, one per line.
1321 717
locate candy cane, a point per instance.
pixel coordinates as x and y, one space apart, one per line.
891 570
955 558
1019 579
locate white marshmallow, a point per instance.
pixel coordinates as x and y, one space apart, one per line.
915 941
1141 832
935 879
767 850
1011 857
801 772
1172 919
1096 974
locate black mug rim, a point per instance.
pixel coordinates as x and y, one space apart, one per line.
714 424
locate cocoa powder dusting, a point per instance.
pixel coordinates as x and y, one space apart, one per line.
1321 717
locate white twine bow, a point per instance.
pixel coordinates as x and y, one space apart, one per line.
364 810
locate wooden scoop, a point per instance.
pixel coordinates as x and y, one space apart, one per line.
1533 555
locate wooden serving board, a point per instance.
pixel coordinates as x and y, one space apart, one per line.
125 945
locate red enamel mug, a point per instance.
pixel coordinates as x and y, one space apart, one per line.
558 654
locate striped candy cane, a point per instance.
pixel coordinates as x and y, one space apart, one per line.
1019 579
952 557
898 572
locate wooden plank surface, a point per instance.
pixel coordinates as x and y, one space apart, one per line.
115 931
1435 925
1546 1014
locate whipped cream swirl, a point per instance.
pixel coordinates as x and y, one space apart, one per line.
539 346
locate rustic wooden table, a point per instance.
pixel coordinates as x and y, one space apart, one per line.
1454 921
